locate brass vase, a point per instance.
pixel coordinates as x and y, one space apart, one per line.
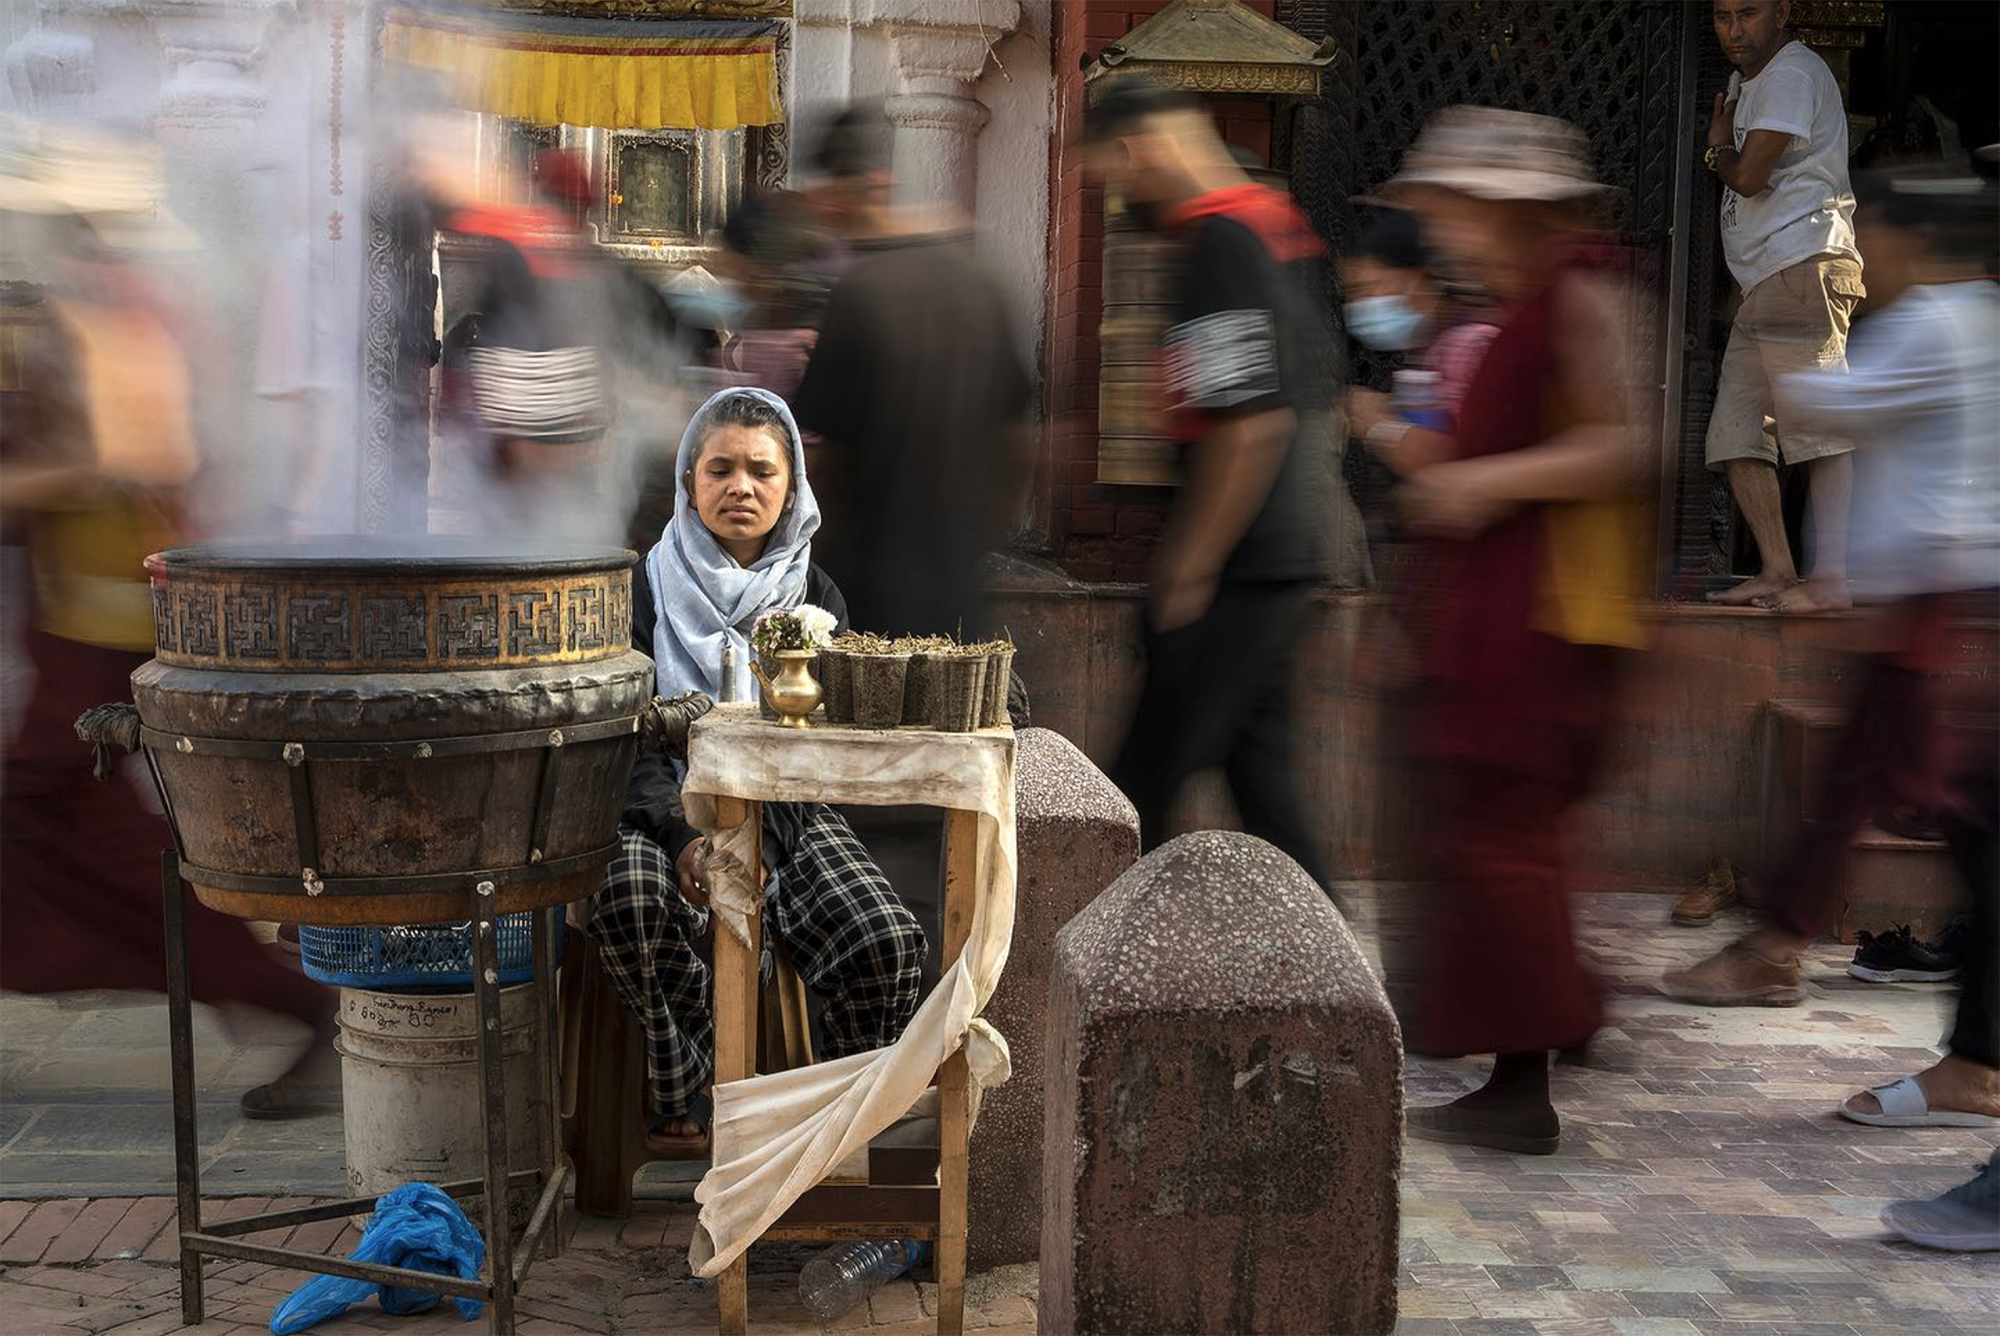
792 693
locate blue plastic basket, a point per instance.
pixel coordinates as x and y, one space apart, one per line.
431 955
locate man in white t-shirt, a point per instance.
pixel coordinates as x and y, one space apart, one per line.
1778 141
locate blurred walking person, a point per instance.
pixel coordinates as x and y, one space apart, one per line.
919 392
1400 301
1246 361
96 454
1920 396
1523 608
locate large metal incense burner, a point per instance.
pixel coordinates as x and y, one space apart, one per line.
349 737
358 733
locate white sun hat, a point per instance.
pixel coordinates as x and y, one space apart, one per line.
1492 153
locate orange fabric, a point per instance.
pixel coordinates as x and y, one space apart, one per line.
1269 213
88 559
540 234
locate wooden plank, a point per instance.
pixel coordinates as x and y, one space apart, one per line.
961 882
902 1166
925 1229
961 889
859 1205
736 995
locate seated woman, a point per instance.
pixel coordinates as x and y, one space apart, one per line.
738 545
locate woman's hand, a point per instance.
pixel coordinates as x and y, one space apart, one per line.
1459 500
692 869
1366 410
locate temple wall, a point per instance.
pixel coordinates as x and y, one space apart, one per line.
1684 777
967 84
1097 531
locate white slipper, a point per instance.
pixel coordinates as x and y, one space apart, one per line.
1903 1105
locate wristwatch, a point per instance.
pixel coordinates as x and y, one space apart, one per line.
1713 156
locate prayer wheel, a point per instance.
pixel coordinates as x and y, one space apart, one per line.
1132 441
369 734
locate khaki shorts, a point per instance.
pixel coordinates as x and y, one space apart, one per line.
1794 320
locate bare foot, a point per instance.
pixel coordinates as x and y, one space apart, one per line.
1815 595
1955 1084
1753 591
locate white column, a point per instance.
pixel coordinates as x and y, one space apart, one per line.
939 50
937 153
214 51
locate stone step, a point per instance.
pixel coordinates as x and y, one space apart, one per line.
1891 880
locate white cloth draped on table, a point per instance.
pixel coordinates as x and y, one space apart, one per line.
777 1136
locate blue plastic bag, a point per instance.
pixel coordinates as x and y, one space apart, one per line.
415 1226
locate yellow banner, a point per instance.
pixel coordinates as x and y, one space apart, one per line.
615 75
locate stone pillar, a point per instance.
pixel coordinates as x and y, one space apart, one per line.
1224 1106
940 48
214 51
50 70
1076 835
937 123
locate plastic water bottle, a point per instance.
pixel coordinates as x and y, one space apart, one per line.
842 1277
1416 399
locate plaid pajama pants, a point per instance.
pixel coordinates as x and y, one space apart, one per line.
848 935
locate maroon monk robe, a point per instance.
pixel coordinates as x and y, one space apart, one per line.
1508 724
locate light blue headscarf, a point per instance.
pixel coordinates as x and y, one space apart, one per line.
704 600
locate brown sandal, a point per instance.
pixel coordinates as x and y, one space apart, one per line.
664 1145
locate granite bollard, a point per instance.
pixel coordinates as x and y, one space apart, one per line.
1224 1106
1076 835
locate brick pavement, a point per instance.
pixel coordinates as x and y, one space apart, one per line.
1703 1189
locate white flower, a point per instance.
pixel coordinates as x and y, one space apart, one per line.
819 624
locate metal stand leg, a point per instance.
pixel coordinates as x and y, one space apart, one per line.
180 1046
493 1109
548 1026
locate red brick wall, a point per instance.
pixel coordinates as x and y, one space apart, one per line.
1098 532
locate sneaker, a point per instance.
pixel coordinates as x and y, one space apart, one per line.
1737 976
1965 1219
1898 957
1715 892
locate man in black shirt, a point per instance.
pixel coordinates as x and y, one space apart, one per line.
1247 358
920 394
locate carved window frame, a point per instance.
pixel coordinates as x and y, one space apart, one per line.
689 146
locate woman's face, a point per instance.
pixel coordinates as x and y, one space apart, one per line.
1363 277
741 479
1465 229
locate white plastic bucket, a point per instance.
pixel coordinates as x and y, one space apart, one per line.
409 1075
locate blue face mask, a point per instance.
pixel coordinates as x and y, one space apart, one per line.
717 308
1386 324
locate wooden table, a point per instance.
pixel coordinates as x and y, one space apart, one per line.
835 1210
